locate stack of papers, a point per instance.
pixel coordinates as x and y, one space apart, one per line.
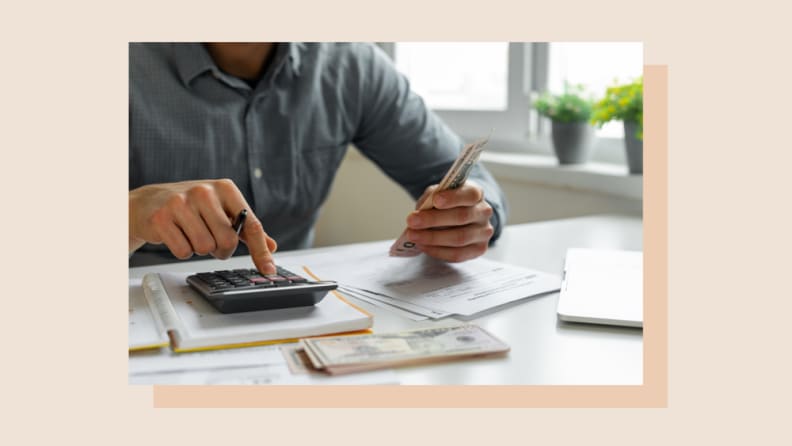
423 287
163 306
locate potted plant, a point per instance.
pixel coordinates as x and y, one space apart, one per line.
625 103
571 132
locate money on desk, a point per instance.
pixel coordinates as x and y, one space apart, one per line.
347 354
454 178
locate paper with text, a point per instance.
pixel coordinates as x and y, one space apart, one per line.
445 288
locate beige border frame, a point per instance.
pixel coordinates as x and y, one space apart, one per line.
653 393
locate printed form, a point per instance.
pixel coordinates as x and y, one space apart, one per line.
424 285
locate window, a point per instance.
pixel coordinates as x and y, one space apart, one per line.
488 86
457 76
477 88
596 66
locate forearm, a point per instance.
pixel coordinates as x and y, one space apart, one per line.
134 242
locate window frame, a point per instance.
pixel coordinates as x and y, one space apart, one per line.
520 128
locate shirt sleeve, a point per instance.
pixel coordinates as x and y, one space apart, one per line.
407 140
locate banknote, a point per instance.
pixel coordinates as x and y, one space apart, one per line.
454 178
346 354
296 359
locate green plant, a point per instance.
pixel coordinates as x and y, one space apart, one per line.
622 103
569 106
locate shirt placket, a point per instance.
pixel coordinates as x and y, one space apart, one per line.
254 137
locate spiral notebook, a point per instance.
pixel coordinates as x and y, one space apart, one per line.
165 311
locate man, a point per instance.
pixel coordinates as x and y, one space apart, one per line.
220 127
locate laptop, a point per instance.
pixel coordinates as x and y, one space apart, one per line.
602 287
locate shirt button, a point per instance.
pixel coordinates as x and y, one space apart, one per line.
257 173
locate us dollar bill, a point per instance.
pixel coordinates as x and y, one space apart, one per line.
342 354
455 177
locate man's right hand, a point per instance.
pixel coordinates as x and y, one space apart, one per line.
196 217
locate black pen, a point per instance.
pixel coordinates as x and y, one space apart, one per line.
239 221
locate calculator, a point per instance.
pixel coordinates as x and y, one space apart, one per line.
240 290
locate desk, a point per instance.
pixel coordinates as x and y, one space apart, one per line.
544 350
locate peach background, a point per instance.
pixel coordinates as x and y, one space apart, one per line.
653 393
64 177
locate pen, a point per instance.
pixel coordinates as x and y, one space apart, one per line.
239 221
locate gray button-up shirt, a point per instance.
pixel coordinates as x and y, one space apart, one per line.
282 141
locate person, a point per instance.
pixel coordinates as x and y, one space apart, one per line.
215 128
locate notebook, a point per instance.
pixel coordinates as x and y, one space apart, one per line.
165 311
602 287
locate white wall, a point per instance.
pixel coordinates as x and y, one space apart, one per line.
365 205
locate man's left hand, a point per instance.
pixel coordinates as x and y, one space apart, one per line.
457 229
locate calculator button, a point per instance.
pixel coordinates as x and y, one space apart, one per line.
277 280
266 284
260 280
296 279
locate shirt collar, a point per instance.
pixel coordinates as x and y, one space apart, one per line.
192 60
295 58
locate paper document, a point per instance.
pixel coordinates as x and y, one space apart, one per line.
427 286
245 366
380 302
165 361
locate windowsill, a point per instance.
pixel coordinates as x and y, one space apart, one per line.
608 179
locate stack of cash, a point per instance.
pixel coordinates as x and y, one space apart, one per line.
454 178
347 354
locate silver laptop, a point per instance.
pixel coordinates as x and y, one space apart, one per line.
602 287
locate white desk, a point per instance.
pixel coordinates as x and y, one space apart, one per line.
543 349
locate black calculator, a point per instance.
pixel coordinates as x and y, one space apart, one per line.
239 290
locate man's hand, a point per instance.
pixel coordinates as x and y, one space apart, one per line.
196 217
457 229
